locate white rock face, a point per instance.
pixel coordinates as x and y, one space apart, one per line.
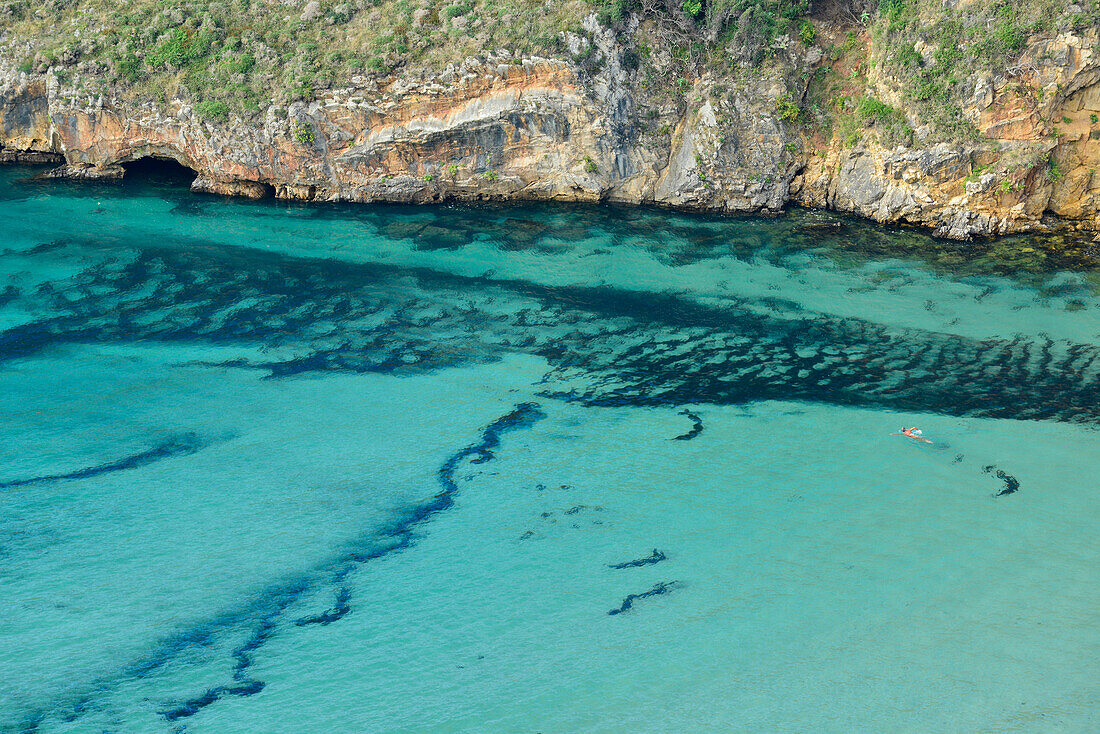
311 11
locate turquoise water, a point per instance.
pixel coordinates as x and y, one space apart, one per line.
280 468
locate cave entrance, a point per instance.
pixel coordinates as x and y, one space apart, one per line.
158 171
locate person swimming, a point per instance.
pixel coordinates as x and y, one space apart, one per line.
914 433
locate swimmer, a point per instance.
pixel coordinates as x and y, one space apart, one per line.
913 433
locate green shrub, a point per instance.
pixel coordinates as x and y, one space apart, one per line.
303 133
1094 118
892 10
245 64
610 12
806 32
1054 173
692 8
181 49
787 108
892 125
590 165
1009 35
213 110
869 107
302 90
907 57
453 11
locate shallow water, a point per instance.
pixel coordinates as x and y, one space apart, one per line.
287 468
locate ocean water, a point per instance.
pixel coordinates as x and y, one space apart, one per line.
282 468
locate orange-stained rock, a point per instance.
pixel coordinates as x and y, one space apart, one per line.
510 129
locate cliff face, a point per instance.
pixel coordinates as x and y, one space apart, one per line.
1038 153
504 127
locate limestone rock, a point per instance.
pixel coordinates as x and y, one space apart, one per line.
312 11
246 189
86 172
30 157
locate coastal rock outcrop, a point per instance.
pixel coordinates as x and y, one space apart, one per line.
504 127
1037 154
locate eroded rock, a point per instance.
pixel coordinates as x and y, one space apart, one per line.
503 128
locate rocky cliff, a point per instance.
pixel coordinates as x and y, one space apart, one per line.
593 124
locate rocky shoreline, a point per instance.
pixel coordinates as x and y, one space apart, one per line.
503 127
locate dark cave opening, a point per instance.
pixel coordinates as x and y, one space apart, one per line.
159 171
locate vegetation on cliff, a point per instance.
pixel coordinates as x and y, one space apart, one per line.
243 55
931 48
240 56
